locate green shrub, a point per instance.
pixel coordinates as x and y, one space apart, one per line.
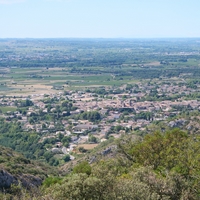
83 167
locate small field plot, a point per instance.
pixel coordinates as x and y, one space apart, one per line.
5 109
87 146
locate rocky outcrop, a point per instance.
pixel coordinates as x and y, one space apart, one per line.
30 181
6 179
27 181
106 151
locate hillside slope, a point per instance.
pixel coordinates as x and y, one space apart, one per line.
15 169
159 166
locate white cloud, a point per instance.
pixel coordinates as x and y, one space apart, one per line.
10 1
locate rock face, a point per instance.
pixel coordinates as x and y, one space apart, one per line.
109 152
6 179
28 181
106 151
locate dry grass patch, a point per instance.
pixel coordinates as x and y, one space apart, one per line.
87 146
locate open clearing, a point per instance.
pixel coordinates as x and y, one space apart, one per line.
87 146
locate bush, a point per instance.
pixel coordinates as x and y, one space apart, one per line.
83 167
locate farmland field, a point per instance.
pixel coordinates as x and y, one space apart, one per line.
36 66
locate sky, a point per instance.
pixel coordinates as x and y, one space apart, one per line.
99 18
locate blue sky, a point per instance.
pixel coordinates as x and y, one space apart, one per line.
99 18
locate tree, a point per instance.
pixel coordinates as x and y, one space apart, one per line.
31 120
92 139
91 116
66 158
66 139
48 155
53 161
28 102
82 149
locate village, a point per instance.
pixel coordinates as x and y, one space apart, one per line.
79 120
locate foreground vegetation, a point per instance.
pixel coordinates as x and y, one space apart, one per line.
159 166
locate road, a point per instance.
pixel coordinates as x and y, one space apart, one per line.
64 150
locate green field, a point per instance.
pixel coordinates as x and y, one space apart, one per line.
5 109
45 66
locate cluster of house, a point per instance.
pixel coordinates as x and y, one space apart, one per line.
111 107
